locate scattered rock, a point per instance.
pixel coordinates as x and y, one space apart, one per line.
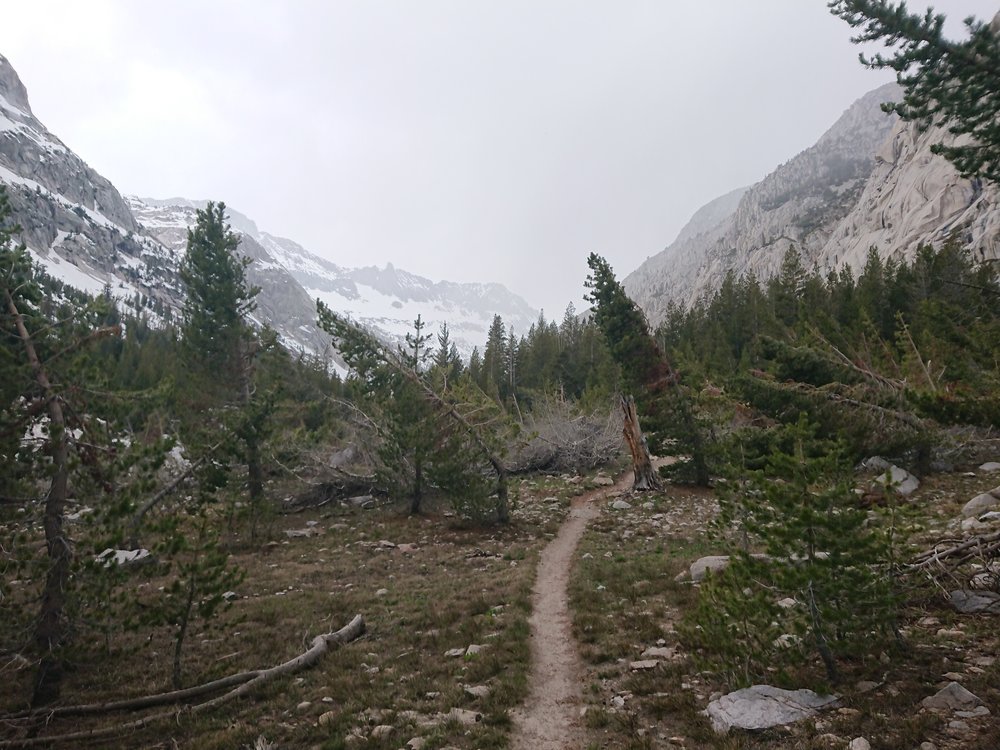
382 592
303 706
464 716
621 505
973 713
455 652
859 743
763 706
382 730
602 480
230 596
658 652
927 746
990 466
618 702
407 549
362 501
308 531
902 481
865 686
328 718
473 649
643 664
121 556
975 602
386 544
980 504
705 565
952 697
416 743
478 691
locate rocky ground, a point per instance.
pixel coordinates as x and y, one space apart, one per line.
633 582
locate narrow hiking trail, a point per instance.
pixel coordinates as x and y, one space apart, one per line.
550 718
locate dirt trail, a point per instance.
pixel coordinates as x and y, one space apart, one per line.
550 718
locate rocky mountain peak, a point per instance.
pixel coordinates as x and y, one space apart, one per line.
11 87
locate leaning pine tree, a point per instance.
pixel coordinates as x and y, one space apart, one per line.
461 434
651 382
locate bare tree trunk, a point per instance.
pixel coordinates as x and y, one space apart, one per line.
255 474
49 629
642 466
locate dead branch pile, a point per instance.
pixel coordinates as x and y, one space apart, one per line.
561 438
949 554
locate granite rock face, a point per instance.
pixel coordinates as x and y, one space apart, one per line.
869 180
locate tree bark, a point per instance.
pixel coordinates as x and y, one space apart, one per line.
642 465
50 628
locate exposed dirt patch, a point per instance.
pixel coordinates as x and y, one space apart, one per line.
550 719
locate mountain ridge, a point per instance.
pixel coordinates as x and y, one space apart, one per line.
81 230
870 179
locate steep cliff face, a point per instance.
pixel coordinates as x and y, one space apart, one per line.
799 203
871 180
73 219
914 197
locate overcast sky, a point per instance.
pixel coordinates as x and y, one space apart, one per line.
463 140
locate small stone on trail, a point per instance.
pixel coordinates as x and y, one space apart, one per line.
621 505
478 691
656 652
859 743
603 481
618 702
990 466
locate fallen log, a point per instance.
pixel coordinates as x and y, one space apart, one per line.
245 683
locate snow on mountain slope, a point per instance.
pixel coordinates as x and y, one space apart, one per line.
386 300
80 230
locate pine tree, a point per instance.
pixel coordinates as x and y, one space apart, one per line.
796 532
648 376
219 339
945 82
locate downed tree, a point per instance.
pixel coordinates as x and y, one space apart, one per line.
244 682
949 554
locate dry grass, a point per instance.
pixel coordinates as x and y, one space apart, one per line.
626 600
459 586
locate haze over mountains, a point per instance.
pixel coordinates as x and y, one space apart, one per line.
82 231
869 180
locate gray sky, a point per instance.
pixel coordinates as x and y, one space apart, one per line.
462 140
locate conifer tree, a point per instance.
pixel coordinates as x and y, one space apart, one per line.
219 338
648 376
945 82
